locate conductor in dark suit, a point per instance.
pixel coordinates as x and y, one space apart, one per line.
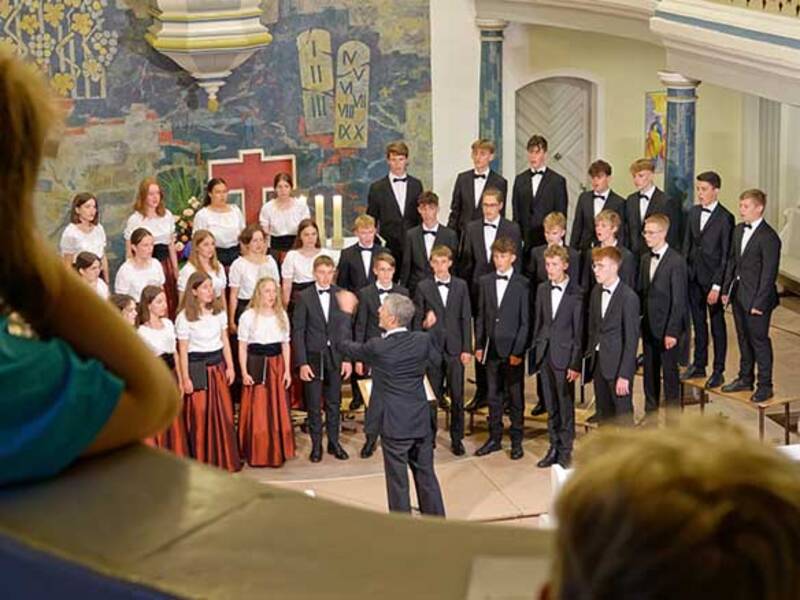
645 201
750 288
538 191
398 361
465 206
591 203
354 269
392 200
420 240
706 247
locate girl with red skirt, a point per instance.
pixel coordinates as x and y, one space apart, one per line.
158 332
206 368
266 437
150 213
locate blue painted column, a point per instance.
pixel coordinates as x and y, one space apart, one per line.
491 94
681 107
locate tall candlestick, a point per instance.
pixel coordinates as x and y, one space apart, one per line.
319 216
337 221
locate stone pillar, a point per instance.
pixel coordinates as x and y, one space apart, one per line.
491 94
681 105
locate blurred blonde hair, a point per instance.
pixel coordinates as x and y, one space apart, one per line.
280 311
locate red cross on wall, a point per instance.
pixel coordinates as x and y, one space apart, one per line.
251 175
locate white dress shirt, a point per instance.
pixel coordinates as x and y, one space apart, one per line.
656 261
366 258
645 202
599 201
536 179
479 185
489 235
748 232
444 291
605 297
162 228
393 331
382 297
429 239
705 213
556 294
501 285
400 189
324 300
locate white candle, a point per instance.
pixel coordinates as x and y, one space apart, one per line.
337 221
319 216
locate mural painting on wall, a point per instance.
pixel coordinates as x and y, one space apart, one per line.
341 79
655 128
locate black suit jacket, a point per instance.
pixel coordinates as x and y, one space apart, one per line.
617 333
750 277
707 251
582 234
382 206
558 339
453 329
311 332
659 203
628 270
536 268
530 211
665 311
398 365
350 273
416 265
474 263
369 302
506 326
463 207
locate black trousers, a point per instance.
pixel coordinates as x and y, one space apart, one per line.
560 407
417 454
611 408
498 369
656 360
755 347
702 313
451 372
329 386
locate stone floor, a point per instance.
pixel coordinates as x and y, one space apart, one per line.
494 489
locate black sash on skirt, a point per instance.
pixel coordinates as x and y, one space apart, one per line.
227 255
257 355
198 362
169 359
241 306
161 252
282 243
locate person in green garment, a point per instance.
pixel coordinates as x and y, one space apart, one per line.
75 379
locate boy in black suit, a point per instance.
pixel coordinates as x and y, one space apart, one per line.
706 247
557 342
750 287
476 261
421 239
613 338
370 299
645 201
355 264
538 191
607 226
447 299
501 332
315 332
470 185
663 286
392 200
591 202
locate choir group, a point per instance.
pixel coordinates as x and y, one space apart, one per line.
255 314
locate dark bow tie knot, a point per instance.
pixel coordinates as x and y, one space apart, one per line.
399 179
748 226
445 284
655 255
598 197
644 197
363 249
503 277
556 287
326 291
539 172
383 291
479 175
492 225
705 210
606 291
428 232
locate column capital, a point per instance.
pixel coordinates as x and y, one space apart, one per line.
491 24
677 81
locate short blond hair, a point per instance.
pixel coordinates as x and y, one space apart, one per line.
555 219
643 164
483 144
363 222
659 219
609 216
557 252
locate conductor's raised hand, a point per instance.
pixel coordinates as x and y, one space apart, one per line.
347 301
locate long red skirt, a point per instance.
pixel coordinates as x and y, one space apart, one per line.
209 423
174 438
170 287
266 437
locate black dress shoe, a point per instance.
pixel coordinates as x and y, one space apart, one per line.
488 448
476 403
737 385
762 394
549 459
316 453
539 409
368 449
564 459
714 381
356 403
457 448
692 372
517 452
338 451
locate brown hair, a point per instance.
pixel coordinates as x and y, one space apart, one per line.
609 216
304 224
190 304
483 144
26 113
280 311
84 260
599 167
642 506
246 236
557 251
141 197
149 293
536 141
441 250
363 222
504 245
198 237
428 198
139 234
121 301
643 164
658 219
397 148
212 183
78 201
756 195
555 219
282 176
611 252
385 257
324 260
494 193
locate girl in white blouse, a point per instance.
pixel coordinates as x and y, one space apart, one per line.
297 269
203 258
247 270
207 371
84 232
88 267
158 333
224 220
266 435
141 269
280 216
150 213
